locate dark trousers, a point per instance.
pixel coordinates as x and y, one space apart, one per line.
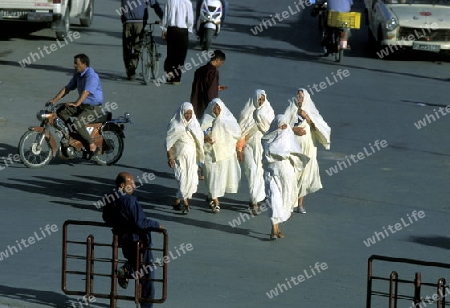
85 114
177 47
132 35
148 269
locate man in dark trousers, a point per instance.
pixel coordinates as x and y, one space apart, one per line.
205 86
134 18
128 220
177 23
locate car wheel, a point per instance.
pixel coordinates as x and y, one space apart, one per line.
89 15
60 35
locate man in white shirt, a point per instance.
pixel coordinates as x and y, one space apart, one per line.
177 23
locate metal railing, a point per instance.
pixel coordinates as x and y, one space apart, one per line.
394 281
91 259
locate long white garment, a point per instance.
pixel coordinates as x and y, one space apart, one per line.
222 170
185 138
254 122
282 159
309 178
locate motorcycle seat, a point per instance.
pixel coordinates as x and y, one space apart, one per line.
106 117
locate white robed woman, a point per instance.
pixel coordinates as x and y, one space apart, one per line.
282 159
254 121
184 145
221 168
310 128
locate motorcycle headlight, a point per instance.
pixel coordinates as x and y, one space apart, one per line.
43 115
391 24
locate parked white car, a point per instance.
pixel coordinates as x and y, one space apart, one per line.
417 24
55 13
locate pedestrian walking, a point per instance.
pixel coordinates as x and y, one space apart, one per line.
184 145
205 85
222 170
177 23
282 159
134 19
310 129
254 122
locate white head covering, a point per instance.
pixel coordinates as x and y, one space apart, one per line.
323 131
281 144
225 130
178 126
254 114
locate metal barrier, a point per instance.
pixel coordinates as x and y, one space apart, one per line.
91 259
417 283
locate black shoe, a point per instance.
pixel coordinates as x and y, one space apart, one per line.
131 74
122 274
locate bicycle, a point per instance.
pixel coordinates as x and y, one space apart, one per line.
149 54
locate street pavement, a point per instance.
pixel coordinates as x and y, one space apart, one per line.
235 265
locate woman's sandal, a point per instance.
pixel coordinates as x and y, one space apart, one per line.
186 209
216 208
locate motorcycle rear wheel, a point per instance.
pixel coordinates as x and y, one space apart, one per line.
32 154
112 148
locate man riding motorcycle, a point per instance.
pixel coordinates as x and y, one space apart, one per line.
343 6
88 104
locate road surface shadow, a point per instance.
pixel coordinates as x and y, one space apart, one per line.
432 240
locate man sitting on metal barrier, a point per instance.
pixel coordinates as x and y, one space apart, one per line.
128 220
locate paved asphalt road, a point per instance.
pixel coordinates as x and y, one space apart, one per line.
237 266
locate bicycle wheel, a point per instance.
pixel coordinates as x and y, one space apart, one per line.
145 63
154 57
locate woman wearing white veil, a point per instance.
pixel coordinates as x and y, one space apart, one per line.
254 121
184 145
282 159
310 128
222 170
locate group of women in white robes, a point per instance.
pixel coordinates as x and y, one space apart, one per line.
278 154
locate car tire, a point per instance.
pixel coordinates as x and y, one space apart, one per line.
88 15
60 35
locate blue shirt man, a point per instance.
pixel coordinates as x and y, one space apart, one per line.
87 80
340 5
88 104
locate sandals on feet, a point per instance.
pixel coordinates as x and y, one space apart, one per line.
216 208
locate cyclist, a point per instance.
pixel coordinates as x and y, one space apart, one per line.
134 19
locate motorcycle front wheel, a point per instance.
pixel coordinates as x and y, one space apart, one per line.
208 37
112 148
33 154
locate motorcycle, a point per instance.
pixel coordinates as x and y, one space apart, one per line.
38 145
334 38
208 23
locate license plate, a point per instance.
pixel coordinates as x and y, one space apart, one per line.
434 48
13 14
